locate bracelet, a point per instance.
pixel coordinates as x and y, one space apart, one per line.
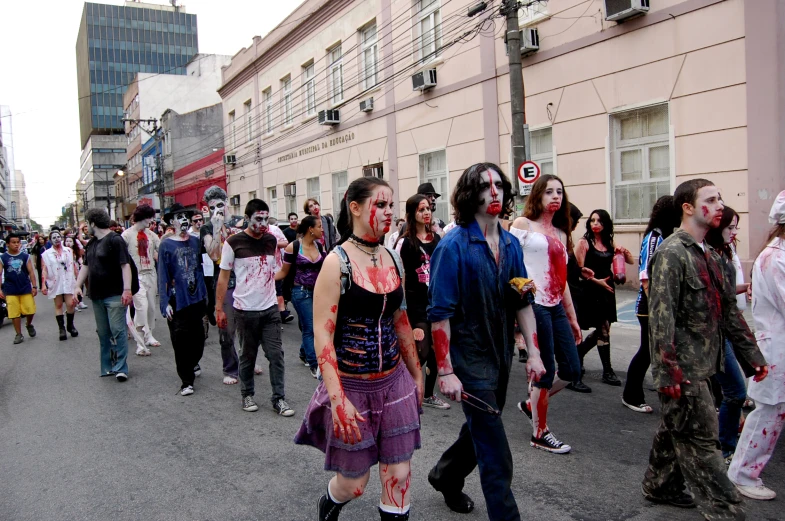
446 374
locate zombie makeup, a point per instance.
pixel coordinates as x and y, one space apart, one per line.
218 207
423 214
55 238
595 223
69 242
491 193
553 196
259 222
377 214
709 206
180 221
314 208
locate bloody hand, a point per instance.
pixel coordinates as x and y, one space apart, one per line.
760 373
673 391
345 418
220 319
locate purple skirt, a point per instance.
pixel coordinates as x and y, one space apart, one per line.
390 434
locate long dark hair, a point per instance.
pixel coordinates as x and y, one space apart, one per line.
714 236
74 248
664 216
606 235
359 190
466 196
533 209
412 204
306 224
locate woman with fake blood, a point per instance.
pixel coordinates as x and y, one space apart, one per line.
544 235
59 274
366 409
596 251
416 248
764 424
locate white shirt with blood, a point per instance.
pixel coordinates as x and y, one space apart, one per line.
254 264
546 263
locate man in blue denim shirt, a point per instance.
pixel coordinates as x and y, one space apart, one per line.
473 309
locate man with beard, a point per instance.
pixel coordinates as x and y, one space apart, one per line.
143 247
251 255
473 308
691 308
108 273
182 295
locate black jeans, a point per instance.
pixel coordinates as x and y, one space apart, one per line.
187 334
254 328
482 442
210 285
427 356
633 387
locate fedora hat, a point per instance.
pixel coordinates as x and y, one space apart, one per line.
426 189
177 208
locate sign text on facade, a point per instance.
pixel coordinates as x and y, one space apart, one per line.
344 138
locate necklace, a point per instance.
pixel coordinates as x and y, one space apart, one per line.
367 244
372 254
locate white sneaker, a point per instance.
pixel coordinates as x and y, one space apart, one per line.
142 351
121 377
198 370
760 493
187 390
257 369
230 380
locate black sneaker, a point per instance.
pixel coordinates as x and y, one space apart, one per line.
579 387
286 316
328 510
456 501
610 378
682 500
30 330
523 356
549 443
282 408
314 371
249 405
525 410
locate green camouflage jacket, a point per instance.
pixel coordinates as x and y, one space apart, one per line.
692 308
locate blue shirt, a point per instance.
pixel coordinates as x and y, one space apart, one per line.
17 280
180 273
470 289
650 243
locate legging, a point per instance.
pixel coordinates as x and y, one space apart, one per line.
633 388
39 267
427 357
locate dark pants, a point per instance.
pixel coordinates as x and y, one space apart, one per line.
686 448
231 362
427 356
633 387
187 334
209 284
254 328
734 392
557 345
482 442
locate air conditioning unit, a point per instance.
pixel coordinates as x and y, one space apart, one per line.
234 200
530 41
329 117
290 190
424 80
230 159
619 10
366 105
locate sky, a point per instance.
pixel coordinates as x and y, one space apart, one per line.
38 80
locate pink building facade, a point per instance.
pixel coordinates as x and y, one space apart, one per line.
621 112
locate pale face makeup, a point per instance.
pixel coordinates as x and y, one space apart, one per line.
423 214
218 207
259 222
180 221
491 193
373 217
595 224
55 238
729 233
69 242
293 221
553 196
314 208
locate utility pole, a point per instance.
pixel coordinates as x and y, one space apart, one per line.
520 150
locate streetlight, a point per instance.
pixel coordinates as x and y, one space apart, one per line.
120 173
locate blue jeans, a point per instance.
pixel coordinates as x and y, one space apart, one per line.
734 392
110 326
481 443
557 345
302 299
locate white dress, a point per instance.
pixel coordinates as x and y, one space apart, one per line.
60 279
768 311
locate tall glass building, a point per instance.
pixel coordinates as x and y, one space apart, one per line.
114 43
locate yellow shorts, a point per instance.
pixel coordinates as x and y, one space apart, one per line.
18 305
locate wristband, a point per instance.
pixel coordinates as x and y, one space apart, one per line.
446 374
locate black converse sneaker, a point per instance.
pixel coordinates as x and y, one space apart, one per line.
549 443
328 509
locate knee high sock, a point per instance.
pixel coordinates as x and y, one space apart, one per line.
60 321
605 357
392 513
587 345
69 321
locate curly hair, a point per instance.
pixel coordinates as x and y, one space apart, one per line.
664 217
98 217
533 209
214 192
466 196
142 212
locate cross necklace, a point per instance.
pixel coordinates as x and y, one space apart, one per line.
372 254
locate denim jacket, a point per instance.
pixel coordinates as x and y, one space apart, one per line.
473 292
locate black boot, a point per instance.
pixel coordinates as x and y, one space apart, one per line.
389 516
69 320
329 509
608 376
61 325
586 346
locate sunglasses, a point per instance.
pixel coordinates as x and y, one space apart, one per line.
198 220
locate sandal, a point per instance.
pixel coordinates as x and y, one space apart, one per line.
644 408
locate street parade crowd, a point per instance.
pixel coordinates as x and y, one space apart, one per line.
390 307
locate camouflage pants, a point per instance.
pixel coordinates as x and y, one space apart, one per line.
687 448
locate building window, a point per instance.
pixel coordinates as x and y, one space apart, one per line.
290 195
286 88
369 57
542 149
433 169
252 195
340 183
336 73
310 89
532 14
268 111
248 119
375 170
272 196
428 30
233 130
640 162
313 189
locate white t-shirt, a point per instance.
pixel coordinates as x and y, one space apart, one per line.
254 264
741 300
546 264
143 257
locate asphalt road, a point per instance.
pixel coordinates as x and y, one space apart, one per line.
74 446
